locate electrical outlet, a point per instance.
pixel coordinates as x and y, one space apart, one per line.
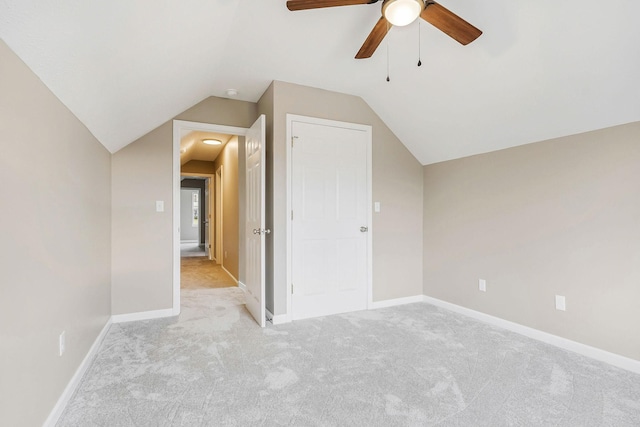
561 303
159 206
482 285
61 343
225 254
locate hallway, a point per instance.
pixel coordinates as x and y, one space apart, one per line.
191 249
201 273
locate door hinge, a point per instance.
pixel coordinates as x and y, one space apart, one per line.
292 139
291 215
292 289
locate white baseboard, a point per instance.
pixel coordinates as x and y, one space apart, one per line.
276 320
175 311
73 384
396 301
576 347
230 275
143 315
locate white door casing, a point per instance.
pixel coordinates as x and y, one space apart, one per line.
331 222
255 232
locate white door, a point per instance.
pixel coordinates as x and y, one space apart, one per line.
218 235
330 220
207 218
254 224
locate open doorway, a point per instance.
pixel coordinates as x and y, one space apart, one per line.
194 217
209 216
244 240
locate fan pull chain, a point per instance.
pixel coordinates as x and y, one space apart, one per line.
388 79
419 45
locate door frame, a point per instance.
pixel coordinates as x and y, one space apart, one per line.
291 118
178 127
211 199
219 222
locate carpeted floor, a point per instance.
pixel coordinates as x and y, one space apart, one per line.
188 249
200 272
412 365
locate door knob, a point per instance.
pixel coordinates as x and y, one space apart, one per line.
364 229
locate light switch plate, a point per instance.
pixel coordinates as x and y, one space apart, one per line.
62 343
561 303
482 285
159 206
376 207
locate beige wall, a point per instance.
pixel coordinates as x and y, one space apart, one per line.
142 174
142 238
556 217
228 159
198 166
54 273
397 185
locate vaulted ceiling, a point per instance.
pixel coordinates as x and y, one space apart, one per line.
542 69
192 146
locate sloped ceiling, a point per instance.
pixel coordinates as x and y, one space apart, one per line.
541 69
192 147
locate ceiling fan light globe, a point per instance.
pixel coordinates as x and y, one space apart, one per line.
402 12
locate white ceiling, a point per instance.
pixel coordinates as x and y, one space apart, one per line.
542 69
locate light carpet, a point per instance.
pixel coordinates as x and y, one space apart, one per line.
412 365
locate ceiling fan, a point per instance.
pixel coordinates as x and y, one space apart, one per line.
399 13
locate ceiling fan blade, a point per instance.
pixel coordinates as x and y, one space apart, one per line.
317 4
450 23
375 38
